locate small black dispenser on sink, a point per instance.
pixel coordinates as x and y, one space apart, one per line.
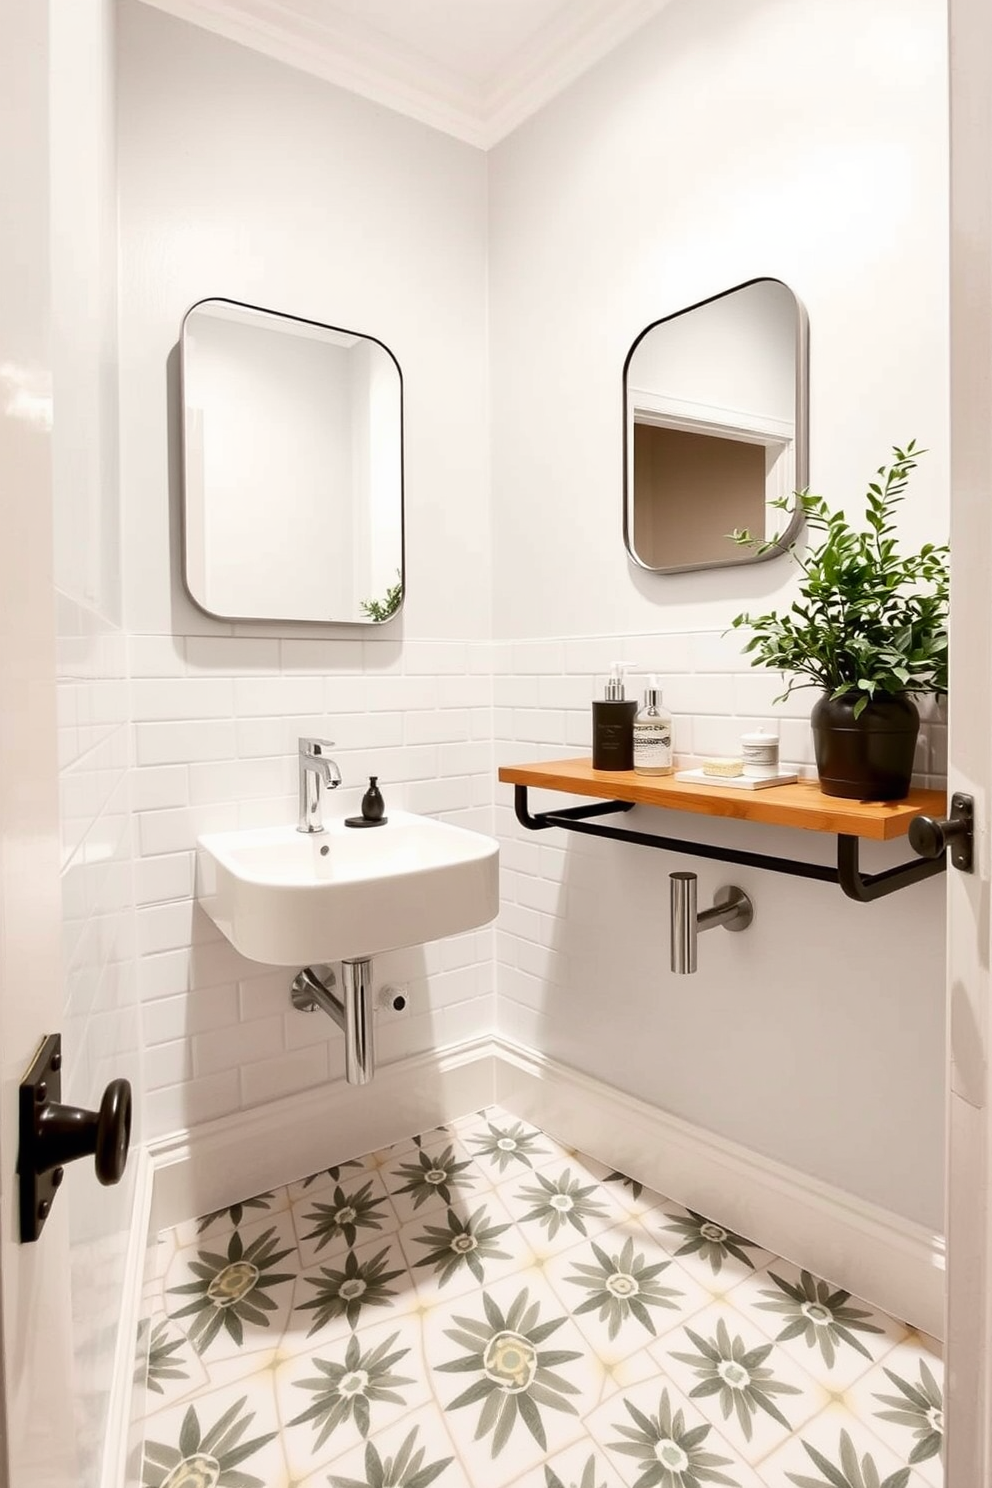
373 808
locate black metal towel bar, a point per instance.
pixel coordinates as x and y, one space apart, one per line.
864 887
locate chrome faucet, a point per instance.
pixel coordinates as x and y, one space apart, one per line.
315 770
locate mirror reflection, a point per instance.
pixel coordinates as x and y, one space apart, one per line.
292 468
716 419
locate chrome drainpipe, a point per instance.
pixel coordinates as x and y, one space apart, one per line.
352 1011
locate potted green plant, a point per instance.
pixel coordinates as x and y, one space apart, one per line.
869 629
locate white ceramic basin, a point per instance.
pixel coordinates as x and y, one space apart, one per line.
295 899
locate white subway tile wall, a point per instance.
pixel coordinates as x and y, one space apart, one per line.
216 722
100 1027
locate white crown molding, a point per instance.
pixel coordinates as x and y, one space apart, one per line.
557 55
358 57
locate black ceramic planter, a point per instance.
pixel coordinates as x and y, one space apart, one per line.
869 758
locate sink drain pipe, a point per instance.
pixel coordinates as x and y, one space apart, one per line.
314 987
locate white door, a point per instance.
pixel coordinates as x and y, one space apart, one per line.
35 1361
969 1380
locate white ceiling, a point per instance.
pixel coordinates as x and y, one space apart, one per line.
474 68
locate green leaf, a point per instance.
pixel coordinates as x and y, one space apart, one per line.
189 1435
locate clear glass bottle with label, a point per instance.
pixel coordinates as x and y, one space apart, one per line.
653 735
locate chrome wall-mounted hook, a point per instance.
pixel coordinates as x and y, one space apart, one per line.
732 909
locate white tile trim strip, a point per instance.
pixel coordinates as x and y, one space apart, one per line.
889 1261
114 1468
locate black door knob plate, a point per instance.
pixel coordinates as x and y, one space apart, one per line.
52 1135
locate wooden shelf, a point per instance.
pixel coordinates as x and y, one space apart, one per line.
802 805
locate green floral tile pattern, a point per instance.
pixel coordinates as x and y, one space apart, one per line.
737 1375
509 1144
437 1174
237 1212
406 1470
232 1289
669 1451
712 1242
164 1360
206 1458
818 1314
556 1202
345 1215
350 1290
478 1308
848 1469
920 1408
514 1376
622 1286
345 1391
462 1243
590 1477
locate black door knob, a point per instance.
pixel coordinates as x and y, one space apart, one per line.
52 1135
931 836
66 1133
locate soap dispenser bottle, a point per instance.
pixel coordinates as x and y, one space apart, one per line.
613 726
653 734
373 805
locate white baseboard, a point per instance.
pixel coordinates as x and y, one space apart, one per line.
877 1255
114 1467
246 1153
889 1261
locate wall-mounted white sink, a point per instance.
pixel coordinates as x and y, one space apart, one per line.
295 899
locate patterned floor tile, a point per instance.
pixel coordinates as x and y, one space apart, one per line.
504 1147
461 1248
482 1306
652 1434
623 1289
832 1335
716 1256
836 1449
580 1466
334 1218
411 1454
308 1188
344 1392
167 1368
519 1377
221 1221
231 1435
350 1291
901 1400
432 1177
558 1205
233 1295
755 1395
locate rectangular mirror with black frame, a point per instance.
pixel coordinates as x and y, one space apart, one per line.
292 468
716 419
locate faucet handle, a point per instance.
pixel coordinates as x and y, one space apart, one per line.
313 748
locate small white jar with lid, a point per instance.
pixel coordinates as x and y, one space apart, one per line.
760 754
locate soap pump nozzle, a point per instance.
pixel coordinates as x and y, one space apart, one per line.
652 692
614 684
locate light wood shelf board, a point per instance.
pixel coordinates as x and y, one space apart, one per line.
801 805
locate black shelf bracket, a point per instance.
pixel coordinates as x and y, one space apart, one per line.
930 838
